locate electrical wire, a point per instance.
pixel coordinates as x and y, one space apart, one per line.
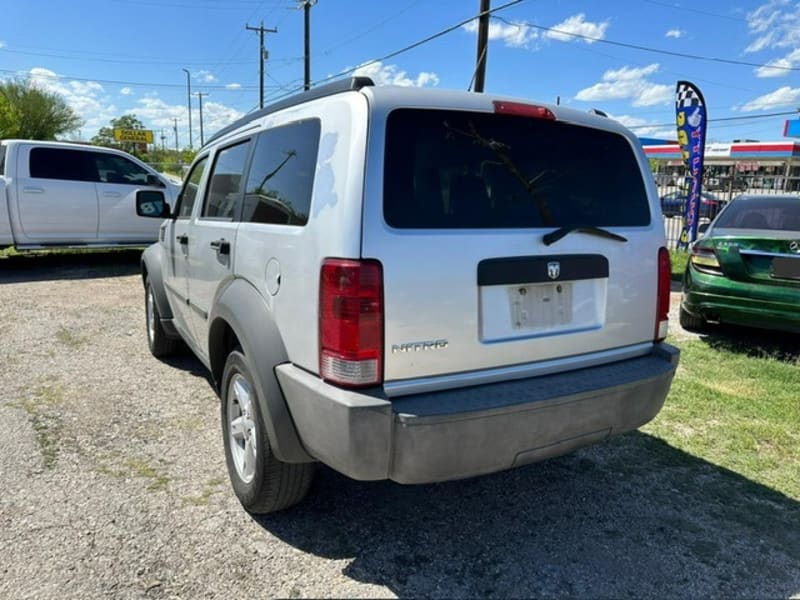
727 61
720 120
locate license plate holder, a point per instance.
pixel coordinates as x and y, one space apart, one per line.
785 268
540 306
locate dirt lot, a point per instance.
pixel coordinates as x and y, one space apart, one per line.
113 484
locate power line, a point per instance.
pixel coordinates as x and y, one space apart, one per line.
412 46
695 10
727 61
718 120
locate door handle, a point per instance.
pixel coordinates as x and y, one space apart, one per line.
33 190
182 239
112 194
222 246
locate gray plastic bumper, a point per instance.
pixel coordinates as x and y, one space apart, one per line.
471 431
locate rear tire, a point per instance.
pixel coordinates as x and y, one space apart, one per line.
261 482
157 340
690 322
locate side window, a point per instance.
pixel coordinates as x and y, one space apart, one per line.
118 169
225 182
62 163
189 192
282 174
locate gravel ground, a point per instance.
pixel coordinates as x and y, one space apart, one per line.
113 484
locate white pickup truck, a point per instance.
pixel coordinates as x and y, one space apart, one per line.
64 194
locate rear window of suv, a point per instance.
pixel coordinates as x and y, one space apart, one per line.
457 169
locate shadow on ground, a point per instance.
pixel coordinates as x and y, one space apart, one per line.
54 266
754 342
632 517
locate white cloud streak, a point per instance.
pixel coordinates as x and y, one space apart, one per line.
780 98
628 83
775 24
577 24
383 74
675 33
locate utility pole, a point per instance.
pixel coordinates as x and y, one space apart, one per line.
262 55
307 4
483 43
200 96
189 97
175 119
163 141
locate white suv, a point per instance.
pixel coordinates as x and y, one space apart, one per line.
418 285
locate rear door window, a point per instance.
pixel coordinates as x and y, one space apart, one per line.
457 169
62 163
224 194
281 177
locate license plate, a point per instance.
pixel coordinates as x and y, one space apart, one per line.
540 305
786 268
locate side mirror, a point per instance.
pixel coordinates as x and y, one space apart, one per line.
154 181
150 203
702 228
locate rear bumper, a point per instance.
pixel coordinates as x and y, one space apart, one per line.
472 431
720 299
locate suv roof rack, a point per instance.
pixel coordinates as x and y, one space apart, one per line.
329 89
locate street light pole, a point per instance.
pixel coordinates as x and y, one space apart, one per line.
189 98
200 96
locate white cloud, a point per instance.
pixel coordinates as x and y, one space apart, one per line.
233 86
126 91
644 128
391 75
785 96
675 33
516 35
629 83
161 115
787 62
2 44
204 76
776 24
87 98
578 25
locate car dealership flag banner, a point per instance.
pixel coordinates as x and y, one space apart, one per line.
690 117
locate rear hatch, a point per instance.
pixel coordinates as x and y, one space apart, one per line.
508 239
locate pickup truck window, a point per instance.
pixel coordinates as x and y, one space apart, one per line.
455 169
224 189
2 160
189 192
62 163
282 174
118 169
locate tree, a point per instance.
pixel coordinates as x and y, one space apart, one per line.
29 112
105 137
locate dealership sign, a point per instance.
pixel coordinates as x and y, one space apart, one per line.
141 136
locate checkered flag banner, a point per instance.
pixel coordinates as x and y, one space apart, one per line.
687 95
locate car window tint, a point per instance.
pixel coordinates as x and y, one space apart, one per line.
118 169
281 179
62 163
189 192
454 169
2 159
764 212
224 188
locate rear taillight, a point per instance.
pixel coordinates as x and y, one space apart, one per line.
523 110
705 260
664 279
351 322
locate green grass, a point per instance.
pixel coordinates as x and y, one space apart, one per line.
736 405
678 260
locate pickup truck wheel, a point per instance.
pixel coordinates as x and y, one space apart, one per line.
690 322
262 483
157 340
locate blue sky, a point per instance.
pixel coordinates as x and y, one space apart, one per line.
115 57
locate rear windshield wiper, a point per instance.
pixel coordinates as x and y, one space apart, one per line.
554 236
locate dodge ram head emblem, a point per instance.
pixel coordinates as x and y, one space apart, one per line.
794 247
553 270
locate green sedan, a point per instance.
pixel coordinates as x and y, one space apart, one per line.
745 270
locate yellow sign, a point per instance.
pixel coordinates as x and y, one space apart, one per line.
134 135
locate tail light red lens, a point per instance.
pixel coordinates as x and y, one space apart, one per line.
351 322
664 279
